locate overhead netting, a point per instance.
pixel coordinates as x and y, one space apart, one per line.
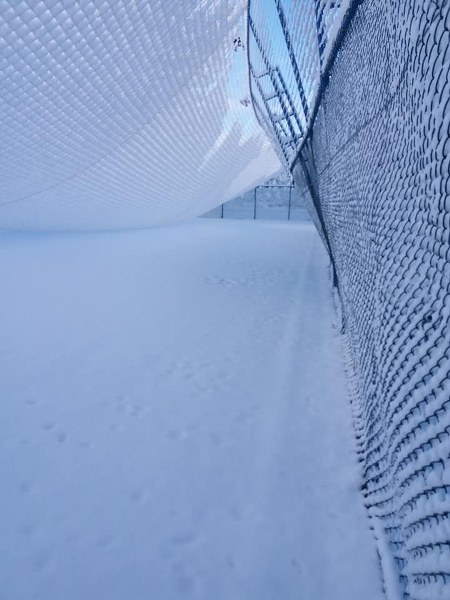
119 113
374 160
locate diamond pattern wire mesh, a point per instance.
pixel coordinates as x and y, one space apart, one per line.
375 163
122 113
291 45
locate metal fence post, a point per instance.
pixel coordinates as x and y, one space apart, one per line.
293 60
289 207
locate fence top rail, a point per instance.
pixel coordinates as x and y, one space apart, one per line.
274 186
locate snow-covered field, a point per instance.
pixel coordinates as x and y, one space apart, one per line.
175 421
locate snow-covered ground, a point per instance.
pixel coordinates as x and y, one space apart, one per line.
175 421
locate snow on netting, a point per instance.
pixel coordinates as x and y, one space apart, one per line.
374 159
120 114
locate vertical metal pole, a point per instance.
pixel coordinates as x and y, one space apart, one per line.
221 216
292 58
270 73
289 208
320 30
254 205
269 112
292 107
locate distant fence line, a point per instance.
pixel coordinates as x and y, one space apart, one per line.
280 202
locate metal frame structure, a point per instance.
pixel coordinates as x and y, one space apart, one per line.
255 200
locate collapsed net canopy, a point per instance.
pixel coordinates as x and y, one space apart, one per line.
124 113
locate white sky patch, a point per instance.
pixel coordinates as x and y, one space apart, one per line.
240 116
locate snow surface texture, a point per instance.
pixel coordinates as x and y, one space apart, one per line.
175 419
376 162
119 114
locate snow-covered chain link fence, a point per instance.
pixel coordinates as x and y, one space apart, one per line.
375 157
285 82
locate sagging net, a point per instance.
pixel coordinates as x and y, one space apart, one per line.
122 113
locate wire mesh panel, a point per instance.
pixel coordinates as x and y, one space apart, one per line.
242 207
298 210
272 202
123 114
374 170
290 44
382 144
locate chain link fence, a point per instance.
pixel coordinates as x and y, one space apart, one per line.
268 202
372 161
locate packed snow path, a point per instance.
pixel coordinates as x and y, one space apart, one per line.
175 421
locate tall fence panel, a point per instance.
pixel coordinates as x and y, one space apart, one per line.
374 155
